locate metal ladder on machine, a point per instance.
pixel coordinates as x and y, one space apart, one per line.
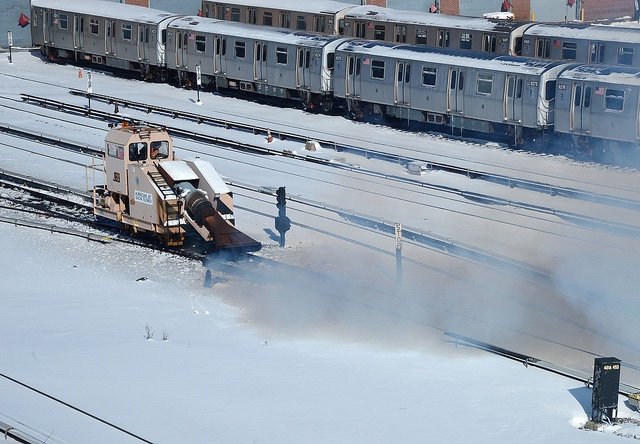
174 233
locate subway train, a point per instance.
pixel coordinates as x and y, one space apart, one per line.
575 42
520 100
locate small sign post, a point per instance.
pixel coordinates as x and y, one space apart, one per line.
398 232
10 40
198 82
89 86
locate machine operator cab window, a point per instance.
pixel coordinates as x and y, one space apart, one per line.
138 151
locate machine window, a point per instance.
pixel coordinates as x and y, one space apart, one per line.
301 23
94 26
484 84
281 55
138 151
235 14
201 43
379 32
240 50
569 51
421 37
625 56
429 76
377 69
614 100
115 151
126 32
465 40
159 149
63 21
267 19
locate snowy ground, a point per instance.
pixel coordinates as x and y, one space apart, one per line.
75 317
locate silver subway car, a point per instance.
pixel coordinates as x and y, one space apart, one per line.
589 44
322 16
269 61
106 33
478 92
598 106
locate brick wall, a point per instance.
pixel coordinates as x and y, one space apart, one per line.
521 9
609 9
450 7
136 2
382 3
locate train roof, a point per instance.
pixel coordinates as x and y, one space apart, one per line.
267 33
428 19
449 57
316 6
105 9
604 74
585 31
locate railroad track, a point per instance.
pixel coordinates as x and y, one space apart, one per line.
484 199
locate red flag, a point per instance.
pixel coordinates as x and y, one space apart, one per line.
23 20
199 12
506 5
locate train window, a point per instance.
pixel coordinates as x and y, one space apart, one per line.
331 60
465 40
307 58
377 69
358 66
519 89
407 73
400 72
264 52
379 32
281 55
421 37
164 36
126 32
543 48
587 97
614 100
443 38
625 56
597 53
138 151
115 151
569 50
201 43
510 85
460 81
489 43
454 76
94 26
301 23
235 14
320 24
267 19
484 84
550 90
63 21
429 76
240 50
577 99
341 27
401 33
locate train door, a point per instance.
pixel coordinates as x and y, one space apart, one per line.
513 98
303 68
47 26
78 31
580 119
143 42
182 49
110 36
402 90
400 33
353 76
359 28
455 92
220 51
260 62
596 52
